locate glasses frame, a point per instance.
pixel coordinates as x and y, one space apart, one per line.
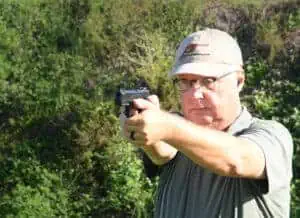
176 81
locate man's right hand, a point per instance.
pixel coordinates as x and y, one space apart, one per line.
160 152
134 111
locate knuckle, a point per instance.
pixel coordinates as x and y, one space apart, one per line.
153 99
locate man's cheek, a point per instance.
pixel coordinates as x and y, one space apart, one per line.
212 99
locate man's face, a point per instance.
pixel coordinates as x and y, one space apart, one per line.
209 101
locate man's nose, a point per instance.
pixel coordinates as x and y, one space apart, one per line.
197 92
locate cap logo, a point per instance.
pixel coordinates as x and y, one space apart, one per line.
196 49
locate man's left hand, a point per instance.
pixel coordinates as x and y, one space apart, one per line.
149 126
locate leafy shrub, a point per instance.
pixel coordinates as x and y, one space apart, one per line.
61 63
31 190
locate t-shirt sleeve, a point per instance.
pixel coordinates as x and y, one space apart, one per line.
277 145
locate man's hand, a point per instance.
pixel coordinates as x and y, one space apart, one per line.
149 125
134 111
148 130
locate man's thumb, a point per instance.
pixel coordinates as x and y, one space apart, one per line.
143 104
154 100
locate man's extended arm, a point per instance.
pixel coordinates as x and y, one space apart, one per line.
220 152
216 150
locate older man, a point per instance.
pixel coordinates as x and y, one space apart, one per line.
216 159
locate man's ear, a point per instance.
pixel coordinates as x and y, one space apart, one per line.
240 80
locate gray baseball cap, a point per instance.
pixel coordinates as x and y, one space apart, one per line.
209 52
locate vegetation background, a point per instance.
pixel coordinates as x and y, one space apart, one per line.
61 62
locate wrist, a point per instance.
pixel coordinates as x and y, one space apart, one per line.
160 152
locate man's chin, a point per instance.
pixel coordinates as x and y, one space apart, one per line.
201 120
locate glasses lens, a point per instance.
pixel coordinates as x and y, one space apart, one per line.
207 83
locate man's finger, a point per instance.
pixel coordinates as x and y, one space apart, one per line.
134 121
132 128
137 137
154 100
143 104
127 133
133 112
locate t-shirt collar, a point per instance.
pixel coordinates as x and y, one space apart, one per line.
243 121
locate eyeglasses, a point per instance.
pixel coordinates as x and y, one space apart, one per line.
208 82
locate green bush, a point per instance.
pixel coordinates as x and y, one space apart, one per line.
61 63
32 190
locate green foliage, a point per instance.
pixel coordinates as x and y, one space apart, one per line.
125 188
31 189
294 20
255 71
61 62
269 33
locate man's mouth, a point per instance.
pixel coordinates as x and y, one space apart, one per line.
198 110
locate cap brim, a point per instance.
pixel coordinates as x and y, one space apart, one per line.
204 69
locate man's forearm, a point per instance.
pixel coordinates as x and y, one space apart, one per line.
215 150
160 153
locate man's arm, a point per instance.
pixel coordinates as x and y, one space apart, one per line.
160 153
220 152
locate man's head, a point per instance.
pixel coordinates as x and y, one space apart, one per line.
209 68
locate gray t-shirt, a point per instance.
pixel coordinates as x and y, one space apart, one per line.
187 190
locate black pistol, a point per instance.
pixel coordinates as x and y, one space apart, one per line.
125 97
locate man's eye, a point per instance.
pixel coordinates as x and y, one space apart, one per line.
209 81
183 81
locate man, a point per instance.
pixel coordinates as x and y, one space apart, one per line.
217 160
